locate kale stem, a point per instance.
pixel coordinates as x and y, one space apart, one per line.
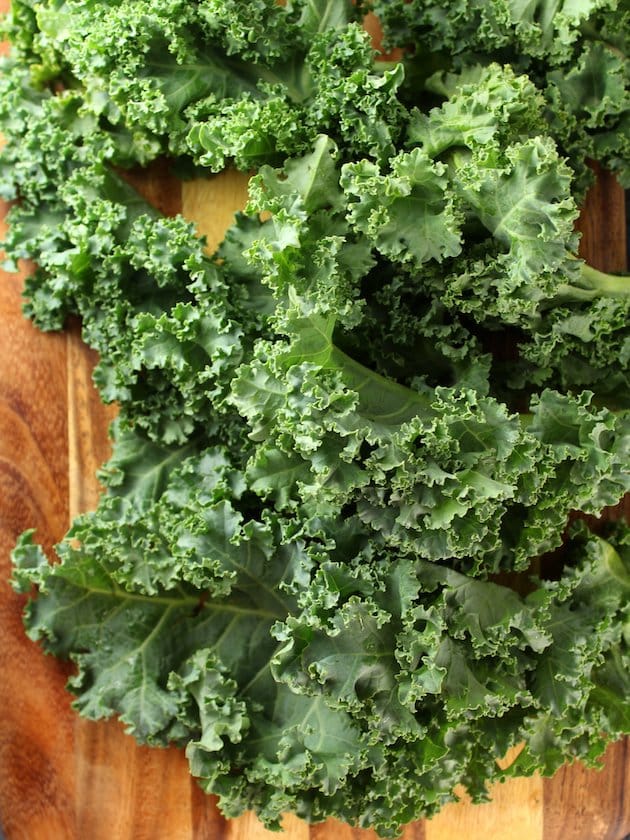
593 284
611 285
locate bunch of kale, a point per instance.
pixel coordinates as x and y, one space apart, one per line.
324 453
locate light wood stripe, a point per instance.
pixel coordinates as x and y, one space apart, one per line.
515 812
212 203
249 827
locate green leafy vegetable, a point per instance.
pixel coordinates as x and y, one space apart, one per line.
216 81
575 53
324 453
304 672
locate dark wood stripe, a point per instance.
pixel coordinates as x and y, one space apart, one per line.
158 186
603 224
36 780
581 804
207 821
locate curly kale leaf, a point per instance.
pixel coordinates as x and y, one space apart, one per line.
507 198
575 54
541 29
319 665
166 321
338 89
249 83
448 475
443 472
315 473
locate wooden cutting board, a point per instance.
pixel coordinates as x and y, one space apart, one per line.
63 778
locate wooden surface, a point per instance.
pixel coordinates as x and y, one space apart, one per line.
62 778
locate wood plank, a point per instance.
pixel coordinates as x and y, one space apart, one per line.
62 777
602 223
586 804
88 423
334 830
582 804
515 810
249 827
211 203
37 785
123 790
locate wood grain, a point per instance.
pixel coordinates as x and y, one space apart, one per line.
249 827
515 810
602 223
212 203
62 778
36 722
123 791
88 423
581 804
80 779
